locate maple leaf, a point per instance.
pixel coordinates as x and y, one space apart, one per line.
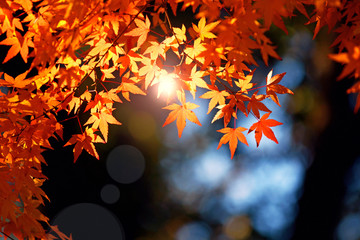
100 47
26 4
83 141
196 80
244 84
272 86
155 50
110 95
142 30
227 111
212 54
263 126
355 89
149 70
107 73
232 135
351 59
192 53
14 49
272 12
61 235
180 34
255 104
180 113
18 82
101 120
128 86
268 50
216 96
129 61
98 101
204 30
327 16
345 32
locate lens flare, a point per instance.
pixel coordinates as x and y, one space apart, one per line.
167 83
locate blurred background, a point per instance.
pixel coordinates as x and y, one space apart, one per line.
149 184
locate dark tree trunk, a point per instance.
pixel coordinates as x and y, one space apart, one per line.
321 204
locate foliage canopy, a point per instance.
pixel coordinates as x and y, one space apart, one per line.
85 55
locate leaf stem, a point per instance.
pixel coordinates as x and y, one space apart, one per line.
78 119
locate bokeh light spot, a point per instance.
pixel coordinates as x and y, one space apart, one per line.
295 71
110 194
125 164
349 229
193 230
88 221
212 167
238 227
142 126
269 219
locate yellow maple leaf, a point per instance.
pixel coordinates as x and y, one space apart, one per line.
142 30
193 52
216 96
204 30
100 120
244 84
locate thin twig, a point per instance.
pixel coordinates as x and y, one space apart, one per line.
7 236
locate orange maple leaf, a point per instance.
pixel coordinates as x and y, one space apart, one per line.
229 110
128 86
180 113
18 82
355 89
18 45
232 135
84 141
263 126
142 30
268 50
212 54
350 59
15 47
272 86
61 235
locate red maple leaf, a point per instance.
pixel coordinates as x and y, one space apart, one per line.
263 126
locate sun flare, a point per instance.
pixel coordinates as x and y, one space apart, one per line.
167 84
